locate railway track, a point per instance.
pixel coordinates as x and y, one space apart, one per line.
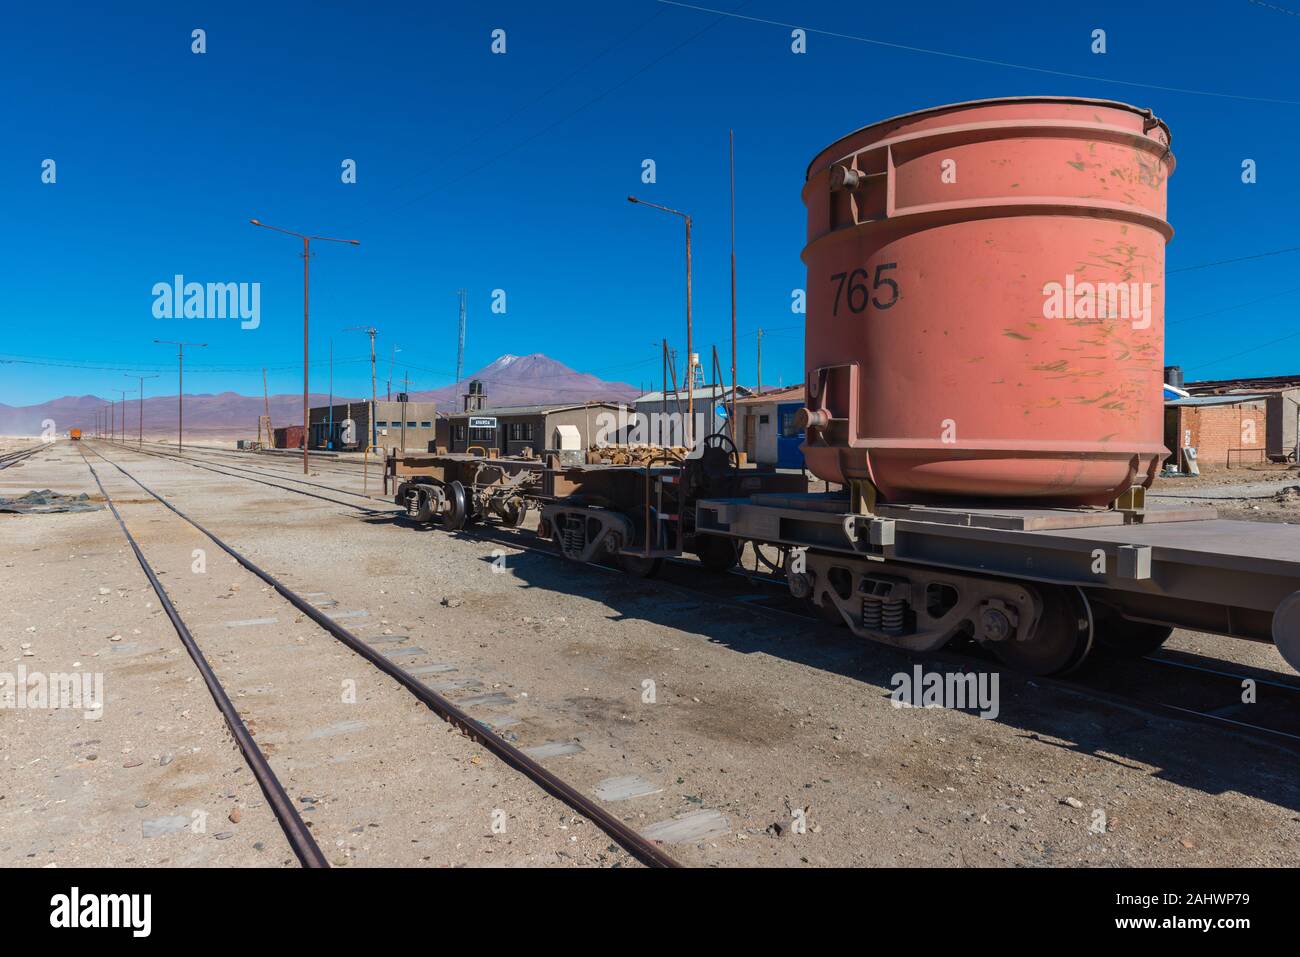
290 459
645 851
219 466
13 458
1211 696
290 821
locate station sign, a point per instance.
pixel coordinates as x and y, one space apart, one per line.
482 422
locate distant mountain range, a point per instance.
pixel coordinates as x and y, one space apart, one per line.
510 380
529 380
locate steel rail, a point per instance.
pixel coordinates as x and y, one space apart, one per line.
645 851
217 466
1179 713
295 830
12 458
1261 732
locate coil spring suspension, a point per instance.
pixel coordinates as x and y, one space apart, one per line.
871 613
413 503
573 535
885 615
893 616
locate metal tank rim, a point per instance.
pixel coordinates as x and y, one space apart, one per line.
1144 112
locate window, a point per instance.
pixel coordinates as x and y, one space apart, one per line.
382 424
790 425
521 431
410 425
426 425
482 435
460 433
764 419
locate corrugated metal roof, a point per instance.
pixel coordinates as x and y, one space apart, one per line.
701 392
1216 400
777 395
533 409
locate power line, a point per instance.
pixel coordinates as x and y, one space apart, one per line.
1235 355
1239 259
531 103
88 366
1270 6
983 60
1240 305
566 117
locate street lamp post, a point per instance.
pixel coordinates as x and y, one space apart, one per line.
306 257
690 370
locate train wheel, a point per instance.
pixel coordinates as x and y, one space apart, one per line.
1060 643
457 516
717 554
640 567
1130 639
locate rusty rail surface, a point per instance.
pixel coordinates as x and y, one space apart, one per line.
645 851
295 830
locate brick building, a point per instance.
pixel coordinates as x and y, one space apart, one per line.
1282 399
1223 429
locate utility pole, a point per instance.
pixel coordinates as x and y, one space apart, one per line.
460 348
141 378
760 361
329 438
266 414
731 419
369 330
690 391
306 258
123 423
180 384
392 361
406 387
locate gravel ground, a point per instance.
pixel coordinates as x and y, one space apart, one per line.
738 736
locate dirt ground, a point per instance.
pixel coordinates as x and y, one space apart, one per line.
1262 493
738 736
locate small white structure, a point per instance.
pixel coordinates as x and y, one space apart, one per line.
567 438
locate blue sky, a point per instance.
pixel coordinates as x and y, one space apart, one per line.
510 172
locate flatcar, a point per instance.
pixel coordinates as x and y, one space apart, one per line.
987 448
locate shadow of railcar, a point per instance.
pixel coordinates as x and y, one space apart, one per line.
1067 715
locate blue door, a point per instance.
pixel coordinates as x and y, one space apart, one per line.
788 436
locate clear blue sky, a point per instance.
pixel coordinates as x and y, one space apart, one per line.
488 171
